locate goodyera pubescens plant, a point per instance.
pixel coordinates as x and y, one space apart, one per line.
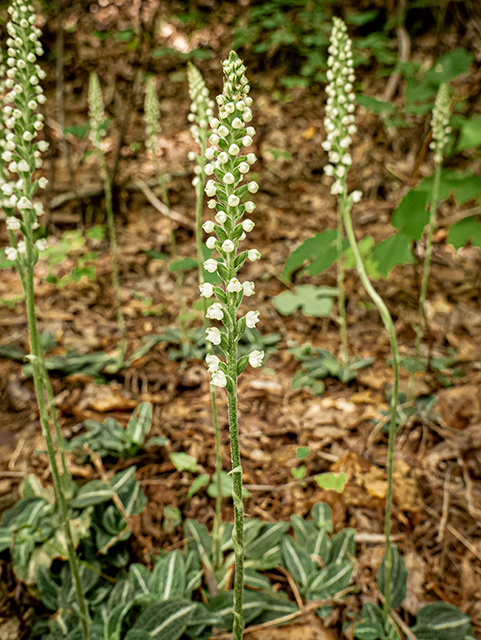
229 165
21 156
440 129
339 125
201 112
97 132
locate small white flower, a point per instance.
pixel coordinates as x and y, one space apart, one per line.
240 106
345 142
329 170
22 247
233 201
237 123
27 136
24 167
210 242
206 289
250 206
356 196
210 189
250 132
215 311
210 265
24 203
11 253
214 139
247 225
209 169
340 171
41 244
214 123
248 288
223 157
13 224
334 157
336 188
7 189
244 167
251 158
38 207
43 145
221 217
253 187
346 159
230 107
42 182
211 203
247 141
234 286
212 363
218 378
209 153
228 246
228 178
255 358
233 150
208 226
223 131
212 334
252 318
253 255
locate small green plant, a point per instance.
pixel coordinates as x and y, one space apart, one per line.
97 132
109 439
318 364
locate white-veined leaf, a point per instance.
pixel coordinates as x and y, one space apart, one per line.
297 561
94 492
322 515
139 577
441 621
371 624
167 580
165 621
139 423
269 536
6 538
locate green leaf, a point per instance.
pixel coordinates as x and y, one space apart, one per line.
374 105
182 265
94 492
399 578
330 580
172 518
226 486
393 251
449 66
470 135
441 621
297 561
464 231
371 624
303 452
321 513
314 301
268 537
332 481
6 539
156 255
80 131
411 215
168 577
299 472
319 248
139 423
183 462
198 483
166 621
362 17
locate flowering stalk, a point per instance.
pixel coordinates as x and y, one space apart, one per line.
339 123
21 156
201 111
229 166
152 117
440 130
338 138
97 132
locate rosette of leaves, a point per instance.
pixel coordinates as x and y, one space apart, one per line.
435 621
110 439
321 565
318 364
33 529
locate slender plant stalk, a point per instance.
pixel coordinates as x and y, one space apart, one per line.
96 109
440 129
199 115
388 323
341 300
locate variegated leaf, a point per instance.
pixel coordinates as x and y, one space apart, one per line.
94 492
164 621
268 537
371 624
297 561
399 578
6 538
322 515
441 621
139 423
168 579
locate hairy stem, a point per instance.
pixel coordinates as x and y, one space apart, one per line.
113 249
388 323
427 266
41 382
341 302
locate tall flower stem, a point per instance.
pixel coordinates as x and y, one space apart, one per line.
426 269
345 203
41 383
341 300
